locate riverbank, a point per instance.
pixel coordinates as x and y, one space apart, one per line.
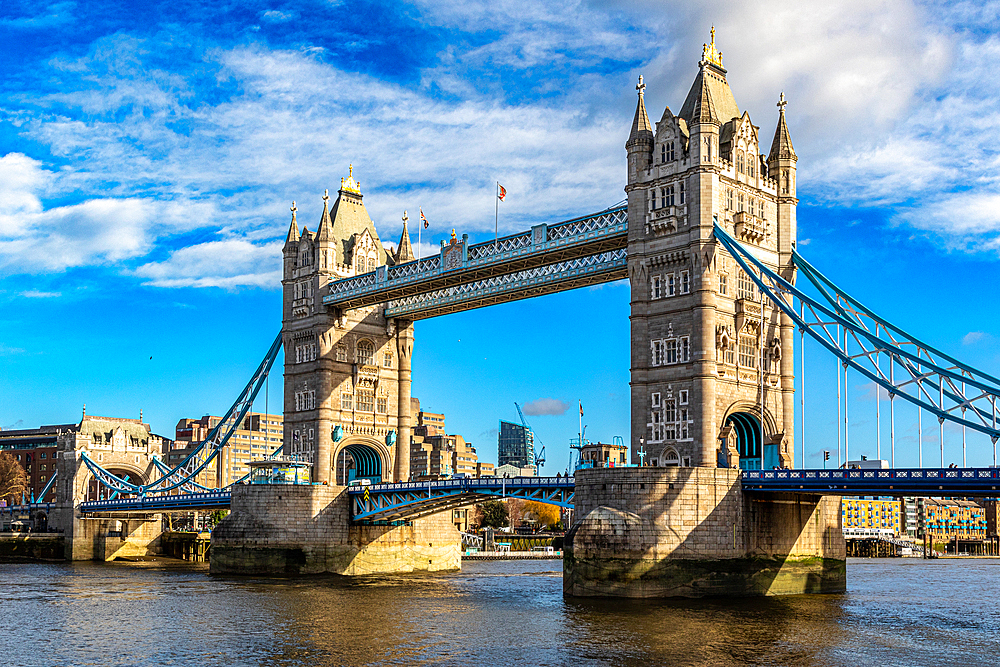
512 555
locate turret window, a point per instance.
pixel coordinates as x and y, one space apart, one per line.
670 196
656 287
729 199
723 284
359 265
750 168
685 282
671 288
739 205
341 352
681 193
739 163
663 154
387 359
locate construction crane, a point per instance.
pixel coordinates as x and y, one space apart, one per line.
540 456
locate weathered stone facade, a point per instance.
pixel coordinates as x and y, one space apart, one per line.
699 339
303 529
693 532
347 374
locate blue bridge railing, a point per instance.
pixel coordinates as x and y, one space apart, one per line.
877 481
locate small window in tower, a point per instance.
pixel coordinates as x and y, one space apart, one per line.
682 397
656 289
750 168
685 282
670 151
381 405
739 208
387 359
723 280
654 399
682 193
663 154
670 196
346 401
656 348
671 351
359 266
365 353
748 352
729 199
670 284
739 163
685 349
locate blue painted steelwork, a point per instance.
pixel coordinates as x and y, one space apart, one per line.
481 264
915 371
183 475
46 488
184 501
926 482
407 501
26 508
367 463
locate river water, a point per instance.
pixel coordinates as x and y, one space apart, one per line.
896 612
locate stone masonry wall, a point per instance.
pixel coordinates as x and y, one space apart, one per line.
692 532
300 529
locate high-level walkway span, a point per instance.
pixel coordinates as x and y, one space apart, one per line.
545 259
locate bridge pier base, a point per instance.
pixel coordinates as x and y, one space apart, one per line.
693 532
107 537
301 529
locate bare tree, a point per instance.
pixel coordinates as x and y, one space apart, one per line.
13 481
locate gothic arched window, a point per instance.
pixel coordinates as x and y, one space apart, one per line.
359 265
366 353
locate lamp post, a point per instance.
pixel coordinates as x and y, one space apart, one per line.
642 451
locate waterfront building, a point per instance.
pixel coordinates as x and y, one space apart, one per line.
37 449
865 516
991 508
259 436
484 469
913 517
515 445
949 520
603 455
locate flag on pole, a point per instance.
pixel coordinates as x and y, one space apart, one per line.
581 408
424 218
502 192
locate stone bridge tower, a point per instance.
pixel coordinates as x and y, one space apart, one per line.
347 374
710 362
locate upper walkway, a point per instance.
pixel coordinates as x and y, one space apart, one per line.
545 259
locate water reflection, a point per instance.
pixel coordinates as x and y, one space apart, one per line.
493 613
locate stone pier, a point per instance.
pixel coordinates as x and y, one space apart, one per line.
302 529
693 532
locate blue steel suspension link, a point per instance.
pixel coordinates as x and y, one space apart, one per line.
745 259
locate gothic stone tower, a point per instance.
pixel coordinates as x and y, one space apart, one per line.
347 374
707 364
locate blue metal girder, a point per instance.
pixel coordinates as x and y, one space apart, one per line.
538 281
26 508
184 473
411 500
877 482
185 501
460 264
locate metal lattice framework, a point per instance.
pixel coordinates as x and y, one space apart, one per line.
896 361
411 500
569 274
461 264
182 476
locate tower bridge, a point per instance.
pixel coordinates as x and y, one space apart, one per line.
714 502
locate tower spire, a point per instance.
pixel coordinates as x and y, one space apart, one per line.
781 146
404 253
323 233
641 129
293 229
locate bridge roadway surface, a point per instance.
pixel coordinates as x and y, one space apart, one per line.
411 500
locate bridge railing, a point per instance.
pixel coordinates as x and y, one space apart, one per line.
538 240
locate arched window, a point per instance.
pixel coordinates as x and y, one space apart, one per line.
739 162
359 265
371 262
670 457
366 353
387 359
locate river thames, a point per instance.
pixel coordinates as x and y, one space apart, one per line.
896 612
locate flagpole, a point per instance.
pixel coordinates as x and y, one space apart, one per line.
420 229
496 218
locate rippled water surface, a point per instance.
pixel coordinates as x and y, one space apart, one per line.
897 612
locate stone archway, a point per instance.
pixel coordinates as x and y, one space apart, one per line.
94 490
362 458
755 449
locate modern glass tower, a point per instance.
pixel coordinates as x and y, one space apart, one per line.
516 445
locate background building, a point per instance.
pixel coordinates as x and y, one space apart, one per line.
435 454
865 515
260 435
515 445
949 520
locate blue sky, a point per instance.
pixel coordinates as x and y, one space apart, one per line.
149 153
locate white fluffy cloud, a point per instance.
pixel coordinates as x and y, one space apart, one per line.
889 101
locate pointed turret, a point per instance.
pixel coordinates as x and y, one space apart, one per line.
781 146
293 229
323 233
640 139
703 110
404 253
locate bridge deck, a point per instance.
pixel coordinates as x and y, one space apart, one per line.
927 482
